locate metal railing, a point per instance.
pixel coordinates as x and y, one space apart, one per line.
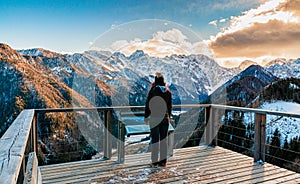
22 136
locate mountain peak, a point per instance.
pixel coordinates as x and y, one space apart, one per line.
137 54
39 52
6 52
4 46
279 61
259 72
245 64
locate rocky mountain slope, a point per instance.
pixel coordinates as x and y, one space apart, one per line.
26 83
242 88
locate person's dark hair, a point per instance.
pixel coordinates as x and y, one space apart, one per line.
159 79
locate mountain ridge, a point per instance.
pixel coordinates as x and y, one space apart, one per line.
242 88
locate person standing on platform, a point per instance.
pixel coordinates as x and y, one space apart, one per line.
157 115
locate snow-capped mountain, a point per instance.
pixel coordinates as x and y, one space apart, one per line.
192 78
195 76
279 61
39 52
242 88
285 69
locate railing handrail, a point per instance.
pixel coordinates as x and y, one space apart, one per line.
119 108
14 144
11 165
216 106
257 111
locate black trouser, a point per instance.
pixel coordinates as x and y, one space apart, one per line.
159 140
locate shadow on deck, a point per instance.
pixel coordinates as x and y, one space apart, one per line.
188 165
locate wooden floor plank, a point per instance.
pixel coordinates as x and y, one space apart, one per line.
255 176
204 170
188 165
272 176
170 164
294 181
287 178
82 169
55 170
226 172
199 166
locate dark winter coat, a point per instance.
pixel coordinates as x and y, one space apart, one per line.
159 102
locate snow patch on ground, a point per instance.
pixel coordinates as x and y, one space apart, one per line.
146 175
288 127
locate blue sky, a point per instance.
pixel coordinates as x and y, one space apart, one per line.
69 25
233 29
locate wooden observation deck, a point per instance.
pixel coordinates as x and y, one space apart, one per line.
200 164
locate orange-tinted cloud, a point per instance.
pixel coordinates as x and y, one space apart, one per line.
264 31
274 38
290 6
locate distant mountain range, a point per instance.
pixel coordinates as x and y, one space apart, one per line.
97 78
38 78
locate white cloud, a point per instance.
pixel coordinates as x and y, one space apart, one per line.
214 23
174 36
263 14
117 45
222 20
163 43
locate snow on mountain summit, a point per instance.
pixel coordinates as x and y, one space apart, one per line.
285 69
245 64
39 52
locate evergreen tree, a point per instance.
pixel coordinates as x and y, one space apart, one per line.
285 150
295 148
275 149
232 134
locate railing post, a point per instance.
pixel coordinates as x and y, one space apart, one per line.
107 134
32 170
35 133
211 130
214 116
121 142
260 137
208 127
170 143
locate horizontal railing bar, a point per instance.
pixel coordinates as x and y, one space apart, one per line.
119 108
86 109
123 108
257 111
